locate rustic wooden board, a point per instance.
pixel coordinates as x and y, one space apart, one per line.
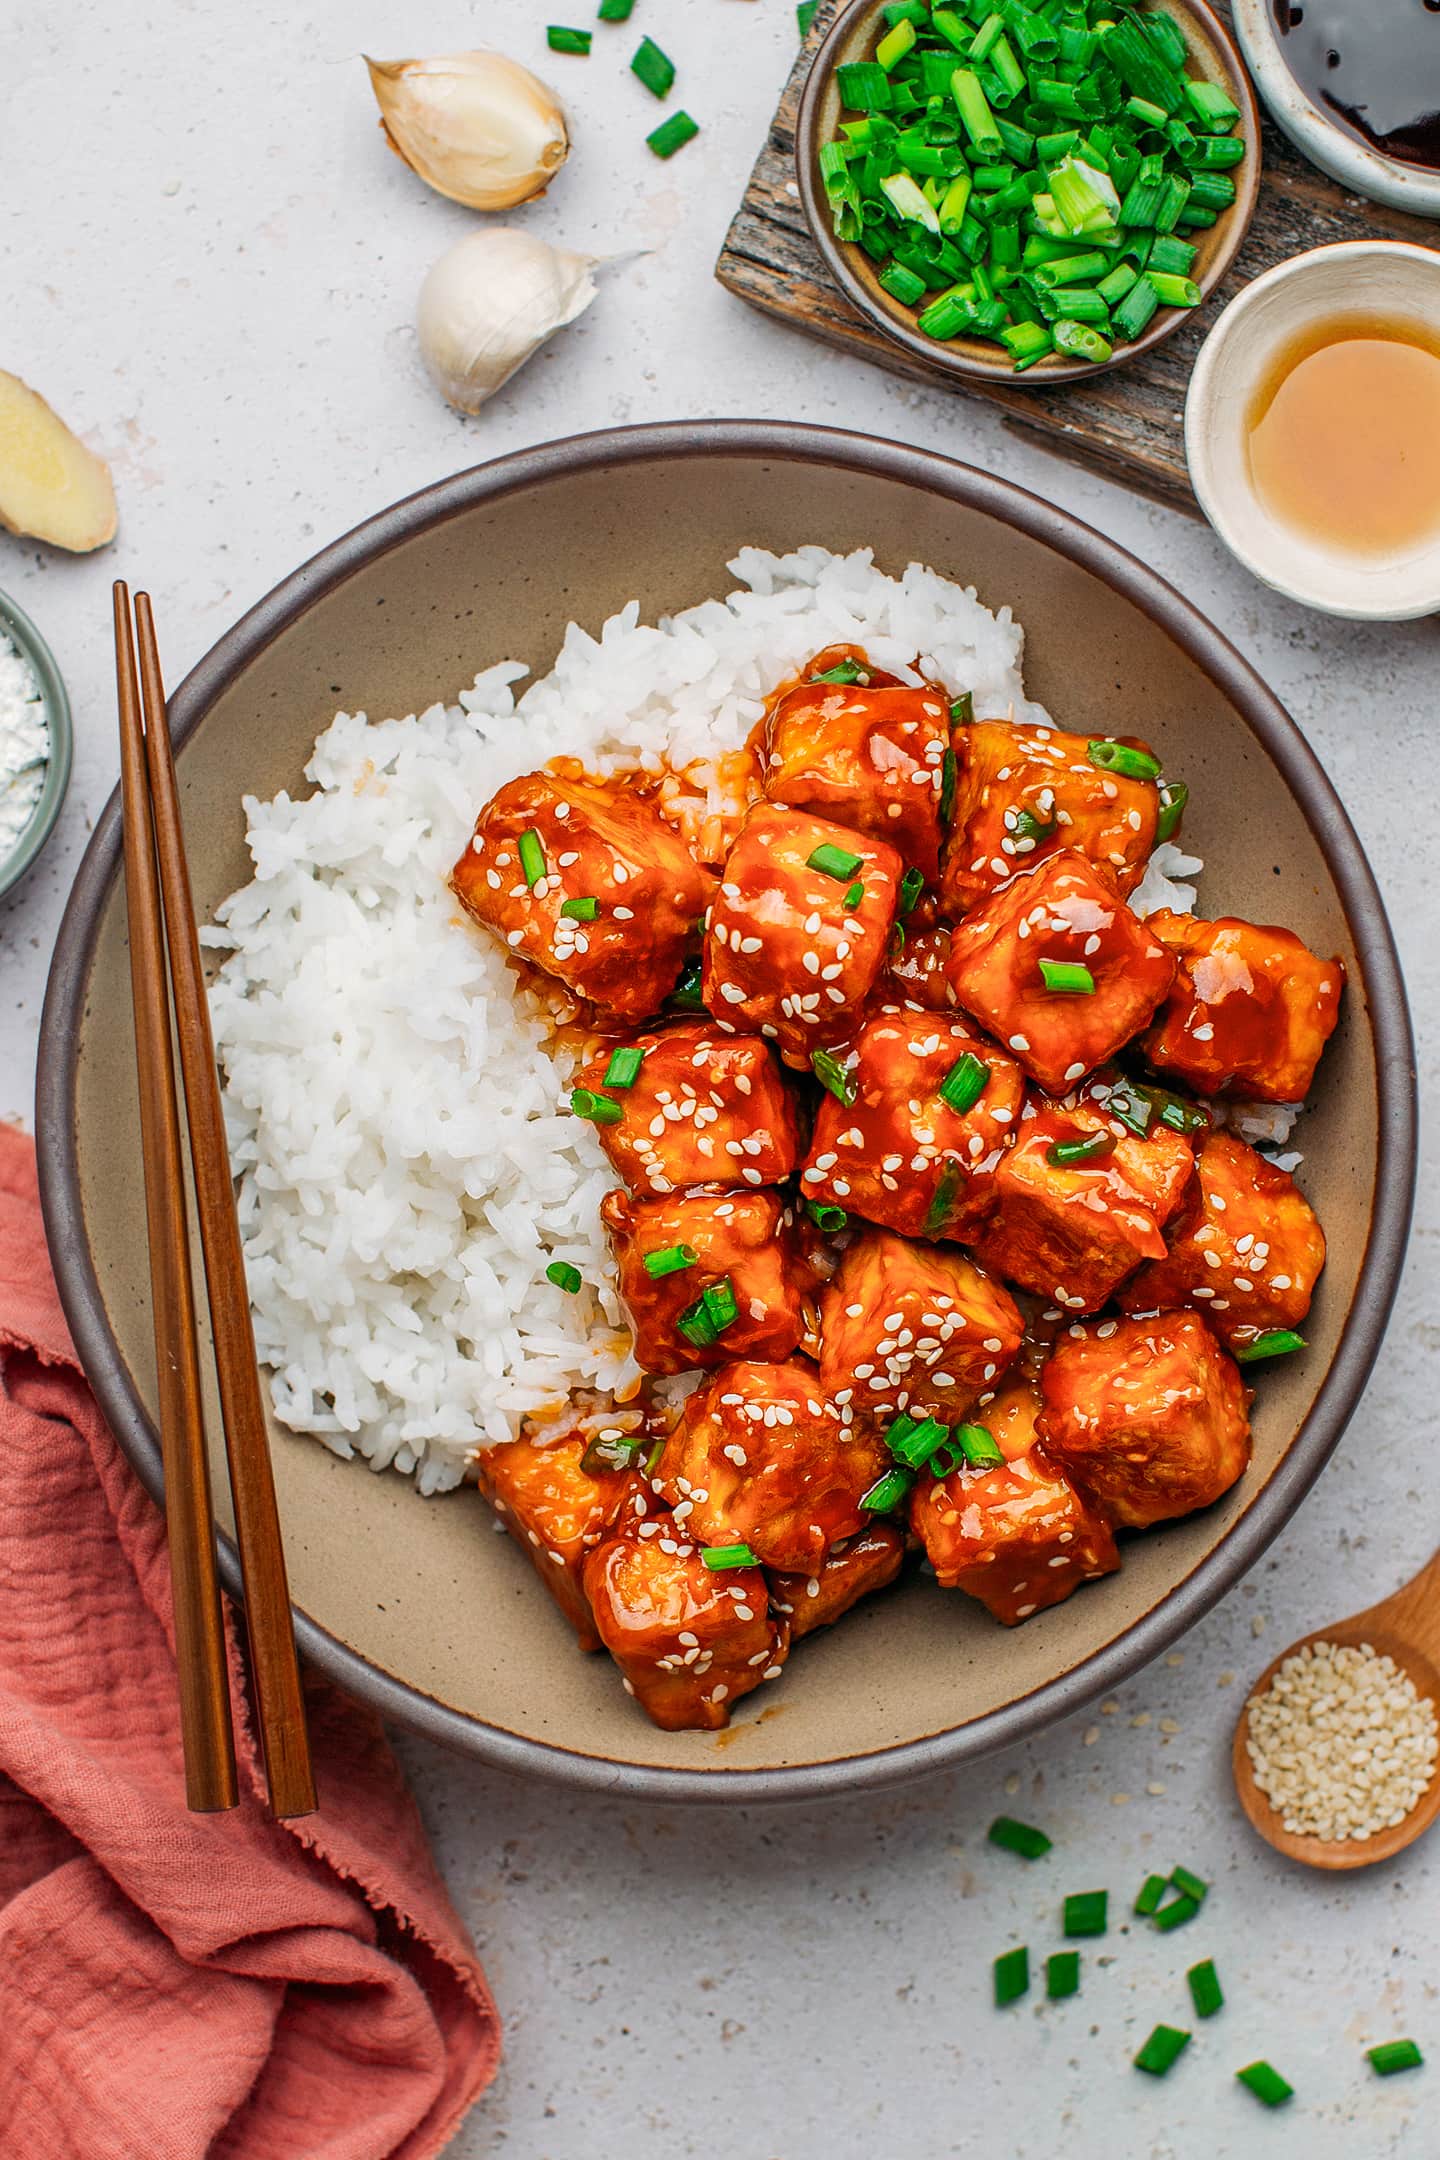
1125 424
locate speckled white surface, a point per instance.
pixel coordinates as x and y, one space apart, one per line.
211 263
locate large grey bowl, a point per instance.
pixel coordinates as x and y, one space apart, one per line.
414 1605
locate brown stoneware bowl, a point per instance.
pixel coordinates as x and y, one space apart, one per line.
414 1605
852 36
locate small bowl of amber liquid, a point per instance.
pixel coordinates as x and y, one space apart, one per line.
1312 429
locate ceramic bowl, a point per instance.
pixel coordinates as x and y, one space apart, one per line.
852 37
415 1605
1389 278
16 626
1355 164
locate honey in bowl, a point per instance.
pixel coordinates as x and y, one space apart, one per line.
1343 436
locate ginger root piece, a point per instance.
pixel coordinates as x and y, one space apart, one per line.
51 487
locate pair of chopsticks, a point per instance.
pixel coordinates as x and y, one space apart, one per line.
162 928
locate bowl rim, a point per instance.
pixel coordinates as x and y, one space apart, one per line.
1199 459
1344 157
768 441
964 364
22 633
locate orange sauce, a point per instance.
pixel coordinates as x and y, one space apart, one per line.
1343 435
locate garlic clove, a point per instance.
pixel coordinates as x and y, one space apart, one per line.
490 302
51 487
474 125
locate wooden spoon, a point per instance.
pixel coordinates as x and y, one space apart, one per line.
1405 1627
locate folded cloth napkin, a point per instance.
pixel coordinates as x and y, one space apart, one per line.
177 1986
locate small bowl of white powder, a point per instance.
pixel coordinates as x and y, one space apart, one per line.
35 743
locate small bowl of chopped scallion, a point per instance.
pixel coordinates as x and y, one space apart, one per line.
1038 188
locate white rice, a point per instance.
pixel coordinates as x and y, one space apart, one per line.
406 1174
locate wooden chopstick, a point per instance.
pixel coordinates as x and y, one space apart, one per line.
199 1635
274 1664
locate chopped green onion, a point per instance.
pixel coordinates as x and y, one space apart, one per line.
564 1276
583 909
1213 106
1135 310
1122 758
532 856
911 887
1191 1886
886 1493
1151 1891
1177 1913
1175 257
834 862
1133 1106
863 86
1086 1912
804 14
1082 342
611 1451
975 113
832 1075
962 709
908 202
719 1558
844 671
965 1082
670 1260
854 894
567 41
1084 197
1065 1154
983 41
1219 151
620 10
686 996
1026 826
949 776
599 1109
902 284
1162 2050
1173 797
696 1325
654 68
946 1187
1068 978
1018 1837
1141 69
1265 2081
826 1217
1026 343
954 203
977 1444
623 1069
1012 1977
673 134
893 47
916 1443
720 1303
1150 116
951 28
1275 1342
1393 2055
1062 1975
1205 1989
1174 291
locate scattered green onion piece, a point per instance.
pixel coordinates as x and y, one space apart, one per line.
1178 1913
597 1109
620 10
1132 317
696 1325
1018 1837
1173 198
1151 1891
949 776
686 996
1071 269
1141 69
915 1447
965 1082
673 134
886 1493
719 1558
1012 1977
1086 1912
721 1304
1191 1886
907 201
654 68
1033 33
947 316
982 44
895 44
1173 797
1217 152
834 862
1275 1342
1133 1106
954 203
1008 76
1026 343
975 114
623 1069
1265 2081
1084 196
1122 758
1162 2050
899 1429
568 41
670 1260
1175 257
832 1075
1209 191
826 1216
1213 106
946 1187
564 1276
1150 116
962 710
1081 341
844 671
1066 1154
1174 291
911 887
863 86
1068 978
978 1446
950 26
610 1451
1026 826
902 284
854 894
1062 1975
585 908
1205 1990
532 856
1393 2055
1116 283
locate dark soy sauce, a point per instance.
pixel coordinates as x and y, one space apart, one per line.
1373 65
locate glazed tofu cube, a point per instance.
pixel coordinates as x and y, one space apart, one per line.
848 1573
783 952
1019 1536
557 1512
1149 1417
900 1154
689 1642
1070 1230
912 1327
1065 914
687 1261
1250 1010
541 843
760 1458
705 1108
1244 1247
1025 792
869 757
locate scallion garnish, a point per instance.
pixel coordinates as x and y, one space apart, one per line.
620 10
1177 1913
1151 1892
1275 1342
1124 759
1192 1886
826 1217
1162 2050
943 1199
686 995
1068 978
1026 826
1066 1154
532 856
564 1276
720 1303
949 774
1062 1974
1173 797
1018 1837
567 41
843 672
965 1082
670 1260
1205 1990
719 1558
886 1493
1265 2081
804 14
977 1444
1393 2055
611 1451
832 1075
672 134
1012 1976
854 894
911 887
834 862
962 710
915 1447
696 1325
583 909
623 1069
1086 1912
598 1109
654 68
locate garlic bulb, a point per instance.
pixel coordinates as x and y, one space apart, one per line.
490 302
480 128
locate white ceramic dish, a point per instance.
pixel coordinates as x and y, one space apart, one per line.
1337 152
1369 277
